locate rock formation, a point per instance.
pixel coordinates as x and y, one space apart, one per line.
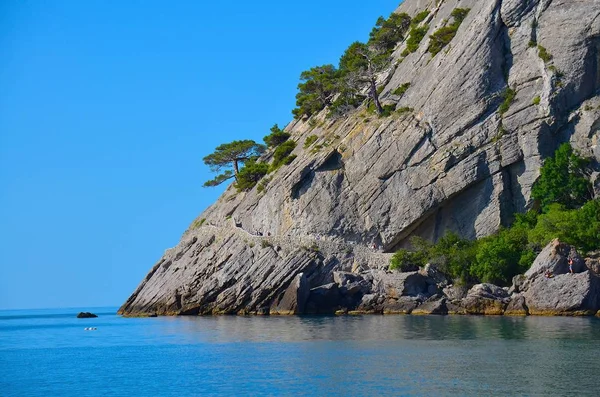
450 161
86 315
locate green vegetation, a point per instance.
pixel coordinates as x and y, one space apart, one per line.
401 90
544 54
316 89
532 43
508 96
404 110
536 100
415 36
276 137
388 32
198 223
420 17
310 140
231 155
565 214
249 176
443 36
282 155
563 180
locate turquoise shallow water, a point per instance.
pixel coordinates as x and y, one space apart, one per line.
48 353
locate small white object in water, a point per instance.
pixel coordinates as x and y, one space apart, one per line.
90 329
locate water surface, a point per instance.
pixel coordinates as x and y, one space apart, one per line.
47 352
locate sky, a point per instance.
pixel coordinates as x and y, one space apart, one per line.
107 108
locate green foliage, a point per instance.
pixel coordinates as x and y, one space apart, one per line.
562 180
230 155
444 35
401 90
532 43
508 96
420 17
266 244
404 110
536 100
249 176
502 256
280 157
310 140
316 89
544 54
219 179
388 32
578 227
198 223
499 257
405 260
415 36
276 137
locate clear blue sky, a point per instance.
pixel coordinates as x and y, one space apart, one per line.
106 111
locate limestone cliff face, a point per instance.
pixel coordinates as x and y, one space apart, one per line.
453 162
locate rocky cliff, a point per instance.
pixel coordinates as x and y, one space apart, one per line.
451 161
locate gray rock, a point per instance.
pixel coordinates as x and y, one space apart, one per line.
452 163
516 306
401 305
294 299
432 307
324 299
485 299
565 294
554 258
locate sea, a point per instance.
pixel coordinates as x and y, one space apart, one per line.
50 353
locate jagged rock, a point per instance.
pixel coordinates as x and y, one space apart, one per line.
452 163
486 299
294 299
455 292
344 278
592 262
369 304
563 293
324 299
86 315
517 284
396 284
516 306
554 258
432 307
401 305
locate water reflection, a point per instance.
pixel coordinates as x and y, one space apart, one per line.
296 329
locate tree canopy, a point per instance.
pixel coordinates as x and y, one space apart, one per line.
562 180
316 89
276 137
388 32
231 155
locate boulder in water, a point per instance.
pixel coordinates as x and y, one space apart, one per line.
86 315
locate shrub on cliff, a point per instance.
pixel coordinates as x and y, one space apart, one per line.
563 180
276 137
282 154
444 35
388 32
316 90
250 175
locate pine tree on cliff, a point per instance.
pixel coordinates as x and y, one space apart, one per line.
363 62
231 155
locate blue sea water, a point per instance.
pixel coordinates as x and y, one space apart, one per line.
48 353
